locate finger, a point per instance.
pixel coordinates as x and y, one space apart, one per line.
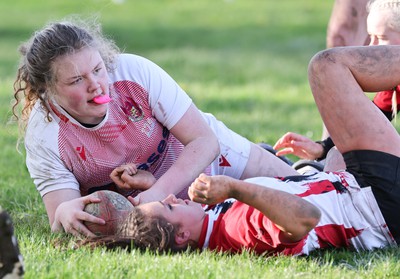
197 199
203 177
73 232
195 195
200 194
285 138
84 216
90 199
131 169
93 219
117 180
118 170
202 200
83 230
135 201
278 144
201 181
281 145
285 151
115 175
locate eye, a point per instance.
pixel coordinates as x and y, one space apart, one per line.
97 70
75 81
169 206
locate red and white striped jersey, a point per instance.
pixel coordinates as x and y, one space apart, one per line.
350 218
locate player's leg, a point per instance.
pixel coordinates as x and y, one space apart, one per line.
369 143
334 161
264 163
338 79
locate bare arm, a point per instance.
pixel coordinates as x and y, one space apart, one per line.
290 213
201 148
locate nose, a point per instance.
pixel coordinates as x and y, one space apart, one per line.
94 85
171 199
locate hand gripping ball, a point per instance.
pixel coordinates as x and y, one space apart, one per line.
113 209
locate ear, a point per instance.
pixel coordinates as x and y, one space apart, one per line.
182 237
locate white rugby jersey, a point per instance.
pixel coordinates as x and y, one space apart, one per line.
350 218
146 103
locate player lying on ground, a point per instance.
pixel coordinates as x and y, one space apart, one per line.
357 208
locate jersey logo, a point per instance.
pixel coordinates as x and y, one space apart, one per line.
136 113
162 145
223 162
81 152
133 110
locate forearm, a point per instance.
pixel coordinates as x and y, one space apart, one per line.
196 156
53 199
292 214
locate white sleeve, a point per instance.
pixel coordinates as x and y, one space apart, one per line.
42 157
168 100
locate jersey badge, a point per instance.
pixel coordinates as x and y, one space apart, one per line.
136 113
133 110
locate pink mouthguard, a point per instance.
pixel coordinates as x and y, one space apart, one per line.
102 99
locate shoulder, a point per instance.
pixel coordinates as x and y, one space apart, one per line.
40 130
135 68
129 59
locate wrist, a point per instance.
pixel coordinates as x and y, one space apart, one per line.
230 188
326 144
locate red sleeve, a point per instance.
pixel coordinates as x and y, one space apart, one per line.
383 100
243 227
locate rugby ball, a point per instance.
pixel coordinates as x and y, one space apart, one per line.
113 208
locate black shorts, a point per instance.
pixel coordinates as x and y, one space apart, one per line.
381 171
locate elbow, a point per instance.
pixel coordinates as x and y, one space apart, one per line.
305 223
314 219
214 146
310 220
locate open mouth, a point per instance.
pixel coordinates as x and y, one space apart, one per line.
101 99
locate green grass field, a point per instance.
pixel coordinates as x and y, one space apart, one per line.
245 61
